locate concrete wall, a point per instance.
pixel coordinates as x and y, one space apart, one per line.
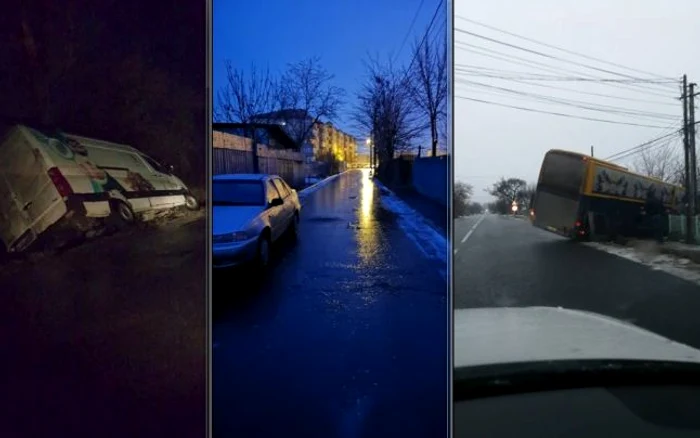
429 178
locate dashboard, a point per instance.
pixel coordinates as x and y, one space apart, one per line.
667 411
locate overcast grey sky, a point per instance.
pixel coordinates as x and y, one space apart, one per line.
491 141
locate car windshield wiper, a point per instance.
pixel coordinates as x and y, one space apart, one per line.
515 378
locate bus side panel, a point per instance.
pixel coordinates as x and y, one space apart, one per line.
609 182
631 223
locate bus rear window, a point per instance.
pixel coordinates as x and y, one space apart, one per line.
562 173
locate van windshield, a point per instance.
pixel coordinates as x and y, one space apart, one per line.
237 192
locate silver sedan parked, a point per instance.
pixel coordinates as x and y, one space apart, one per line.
250 212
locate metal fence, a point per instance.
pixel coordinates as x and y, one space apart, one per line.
677 227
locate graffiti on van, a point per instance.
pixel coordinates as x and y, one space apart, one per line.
69 152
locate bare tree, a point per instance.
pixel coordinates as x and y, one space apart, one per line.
245 96
385 110
661 162
507 191
428 86
308 95
462 194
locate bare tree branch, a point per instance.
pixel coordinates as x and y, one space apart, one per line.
661 162
245 95
307 95
428 86
385 110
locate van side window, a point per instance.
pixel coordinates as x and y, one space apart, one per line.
272 192
154 164
114 159
281 188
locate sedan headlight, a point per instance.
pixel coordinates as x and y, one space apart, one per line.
238 236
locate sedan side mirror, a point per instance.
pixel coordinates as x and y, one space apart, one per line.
276 202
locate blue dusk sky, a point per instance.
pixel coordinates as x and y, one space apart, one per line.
272 33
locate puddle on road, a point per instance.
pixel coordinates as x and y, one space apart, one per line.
324 219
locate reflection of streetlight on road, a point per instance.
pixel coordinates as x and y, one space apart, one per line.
367 235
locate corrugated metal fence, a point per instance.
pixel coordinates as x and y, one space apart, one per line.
233 154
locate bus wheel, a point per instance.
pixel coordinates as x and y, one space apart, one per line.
122 214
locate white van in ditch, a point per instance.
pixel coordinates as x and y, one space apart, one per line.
67 181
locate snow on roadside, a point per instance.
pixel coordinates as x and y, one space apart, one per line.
313 188
428 240
648 255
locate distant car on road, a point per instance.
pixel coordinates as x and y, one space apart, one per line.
250 212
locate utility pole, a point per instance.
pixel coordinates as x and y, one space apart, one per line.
693 161
689 191
591 151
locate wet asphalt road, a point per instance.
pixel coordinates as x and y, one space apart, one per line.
346 337
508 262
107 339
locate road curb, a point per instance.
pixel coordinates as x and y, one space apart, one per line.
304 193
434 245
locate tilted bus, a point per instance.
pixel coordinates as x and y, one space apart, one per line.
578 196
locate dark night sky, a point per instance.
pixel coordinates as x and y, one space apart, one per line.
169 35
272 33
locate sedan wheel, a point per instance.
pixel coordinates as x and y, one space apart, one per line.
263 252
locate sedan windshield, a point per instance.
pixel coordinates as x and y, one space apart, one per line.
239 193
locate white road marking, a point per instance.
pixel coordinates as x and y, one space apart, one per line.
471 230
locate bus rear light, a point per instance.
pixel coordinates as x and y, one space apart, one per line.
62 185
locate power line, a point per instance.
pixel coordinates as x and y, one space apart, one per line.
578 104
558 114
571 52
490 53
459 68
540 77
545 55
425 36
640 147
410 28
529 100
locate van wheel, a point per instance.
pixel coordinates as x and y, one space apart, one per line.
122 214
191 203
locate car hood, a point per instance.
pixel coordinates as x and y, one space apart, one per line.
494 336
228 219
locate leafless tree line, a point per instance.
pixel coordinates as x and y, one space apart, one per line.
396 106
303 95
663 162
